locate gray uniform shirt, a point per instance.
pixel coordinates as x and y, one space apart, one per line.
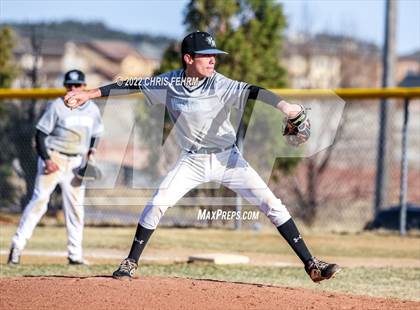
201 114
70 131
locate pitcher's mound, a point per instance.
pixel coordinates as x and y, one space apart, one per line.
55 292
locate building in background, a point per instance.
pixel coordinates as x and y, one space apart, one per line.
43 61
330 61
39 62
408 66
104 60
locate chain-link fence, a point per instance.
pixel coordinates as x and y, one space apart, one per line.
333 189
346 187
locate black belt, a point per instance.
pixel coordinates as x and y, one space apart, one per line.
67 154
210 150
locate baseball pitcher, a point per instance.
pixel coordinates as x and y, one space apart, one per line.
199 102
65 143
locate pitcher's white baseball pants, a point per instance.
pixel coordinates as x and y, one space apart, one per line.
228 168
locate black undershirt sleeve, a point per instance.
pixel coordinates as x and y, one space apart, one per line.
263 95
41 148
260 94
92 146
125 88
93 142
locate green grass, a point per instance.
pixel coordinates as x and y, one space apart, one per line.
368 245
402 283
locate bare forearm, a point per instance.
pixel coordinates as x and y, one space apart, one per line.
74 99
94 93
289 109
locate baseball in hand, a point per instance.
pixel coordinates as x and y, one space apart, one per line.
72 102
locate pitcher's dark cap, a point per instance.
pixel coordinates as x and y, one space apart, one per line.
200 43
74 77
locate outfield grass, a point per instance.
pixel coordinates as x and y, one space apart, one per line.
401 283
368 245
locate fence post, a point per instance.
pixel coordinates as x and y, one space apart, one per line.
404 171
388 62
240 145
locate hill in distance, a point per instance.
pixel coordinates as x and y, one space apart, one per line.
71 30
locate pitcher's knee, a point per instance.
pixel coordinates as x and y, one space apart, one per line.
152 214
276 211
37 205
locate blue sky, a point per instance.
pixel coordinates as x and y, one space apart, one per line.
363 19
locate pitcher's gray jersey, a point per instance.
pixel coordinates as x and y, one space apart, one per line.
201 114
202 120
70 131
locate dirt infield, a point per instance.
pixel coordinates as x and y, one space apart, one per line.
56 292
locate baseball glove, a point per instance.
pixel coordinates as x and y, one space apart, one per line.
297 130
89 172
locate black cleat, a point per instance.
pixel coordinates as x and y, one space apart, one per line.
126 270
14 256
319 270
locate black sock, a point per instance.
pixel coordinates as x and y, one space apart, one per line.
139 242
290 232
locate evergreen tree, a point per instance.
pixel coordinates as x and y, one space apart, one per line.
8 69
250 30
8 72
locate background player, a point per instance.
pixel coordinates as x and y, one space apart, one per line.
200 112
63 139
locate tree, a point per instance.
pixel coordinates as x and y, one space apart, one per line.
8 72
20 127
250 30
25 116
8 69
